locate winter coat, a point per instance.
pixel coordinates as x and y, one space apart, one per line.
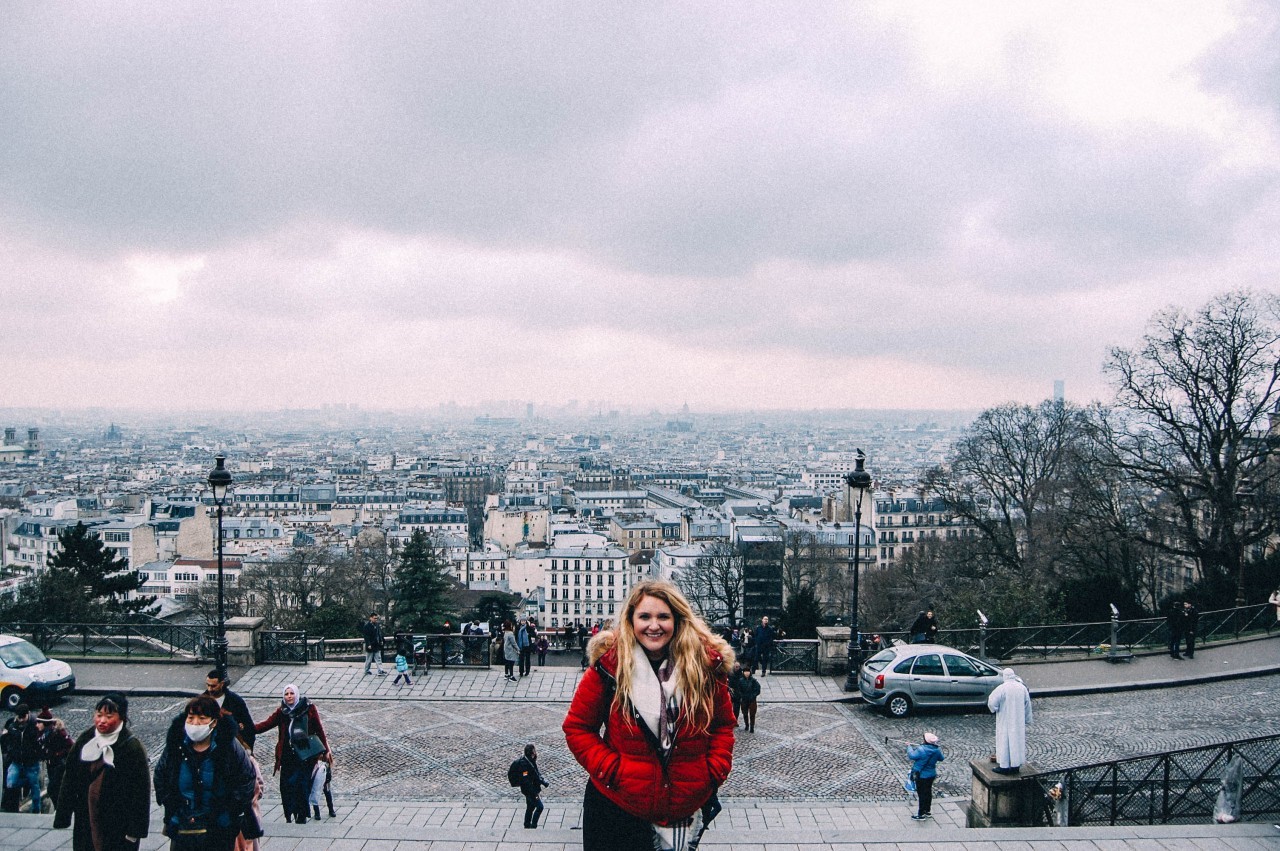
624 765
234 704
233 782
402 664
926 626
280 719
748 689
21 742
763 638
124 805
531 781
372 633
510 650
924 759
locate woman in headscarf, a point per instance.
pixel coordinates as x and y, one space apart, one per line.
658 686
300 743
107 784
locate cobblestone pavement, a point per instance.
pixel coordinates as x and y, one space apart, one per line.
424 750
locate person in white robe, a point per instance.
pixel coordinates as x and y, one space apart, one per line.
1011 702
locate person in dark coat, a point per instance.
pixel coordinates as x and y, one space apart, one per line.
371 630
735 681
763 639
1175 623
107 786
297 721
1190 626
204 780
748 693
924 630
531 786
21 747
55 746
215 685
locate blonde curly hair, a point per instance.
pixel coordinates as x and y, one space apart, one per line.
691 639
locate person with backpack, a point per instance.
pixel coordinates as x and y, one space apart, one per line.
524 774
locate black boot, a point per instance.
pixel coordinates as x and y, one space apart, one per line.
316 812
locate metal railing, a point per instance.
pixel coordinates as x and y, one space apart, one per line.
287 647
794 656
1093 639
147 639
1180 787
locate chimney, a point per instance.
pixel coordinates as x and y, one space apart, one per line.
10 436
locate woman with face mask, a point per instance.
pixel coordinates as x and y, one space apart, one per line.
300 743
204 779
106 787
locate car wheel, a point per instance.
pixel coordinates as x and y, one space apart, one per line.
11 697
898 706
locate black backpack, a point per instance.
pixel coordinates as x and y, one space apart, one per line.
516 772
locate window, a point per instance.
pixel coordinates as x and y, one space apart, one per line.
959 666
577 595
577 564
929 665
611 580
577 580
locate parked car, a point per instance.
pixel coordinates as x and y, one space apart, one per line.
907 676
29 676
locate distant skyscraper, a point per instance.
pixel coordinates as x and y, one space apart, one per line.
1059 387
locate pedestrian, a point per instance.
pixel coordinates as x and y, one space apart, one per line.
106 790
659 686
748 651
1011 702
1274 600
252 821
543 646
402 668
1175 621
510 650
526 635
300 741
204 780
924 761
763 640
924 629
749 691
216 686
21 748
371 630
320 789
531 785
1190 626
55 746
735 693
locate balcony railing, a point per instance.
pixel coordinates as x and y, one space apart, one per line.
129 640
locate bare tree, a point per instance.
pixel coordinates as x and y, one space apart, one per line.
1191 405
714 584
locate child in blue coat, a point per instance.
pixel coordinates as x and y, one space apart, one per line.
924 760
402 669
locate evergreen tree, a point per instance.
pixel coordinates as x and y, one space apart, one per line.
803 614
421 591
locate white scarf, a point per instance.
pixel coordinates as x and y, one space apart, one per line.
646 692
100 746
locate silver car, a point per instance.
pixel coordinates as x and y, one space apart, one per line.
907 676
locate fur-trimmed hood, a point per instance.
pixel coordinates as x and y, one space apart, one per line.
601 649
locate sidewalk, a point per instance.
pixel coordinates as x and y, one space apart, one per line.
462 826
338 680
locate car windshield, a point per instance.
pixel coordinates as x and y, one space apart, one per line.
878 661
21 654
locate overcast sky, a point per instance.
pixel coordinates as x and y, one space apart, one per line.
736 205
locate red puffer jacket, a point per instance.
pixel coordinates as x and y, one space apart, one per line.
624 766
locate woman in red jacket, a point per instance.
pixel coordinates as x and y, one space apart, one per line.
300 743
658 686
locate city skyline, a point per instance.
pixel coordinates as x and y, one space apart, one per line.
857 207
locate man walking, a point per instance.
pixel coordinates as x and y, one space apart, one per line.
215 685
21 746
531 785
763 640
373 641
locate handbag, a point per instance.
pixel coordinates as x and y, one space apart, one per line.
910 783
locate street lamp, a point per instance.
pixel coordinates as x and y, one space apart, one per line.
859 482
219 481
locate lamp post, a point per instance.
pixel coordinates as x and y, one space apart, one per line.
859 482
219 481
